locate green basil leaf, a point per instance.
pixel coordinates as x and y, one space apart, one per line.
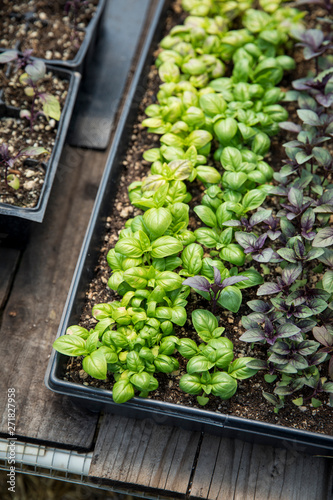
208 175
213 104
226 130
137 277
179 315
190 384
130 247
77 330
157 221
95 365
141 381
253 199
206 215
254 279
230 298
231 159
207 237
239 369
71 345
110 356
234 254
204 322
169 280
192 258
187 348
122 391
198 364
223 385
165 246
165 364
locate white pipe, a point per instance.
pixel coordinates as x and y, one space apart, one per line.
68 461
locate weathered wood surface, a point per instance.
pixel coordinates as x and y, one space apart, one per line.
8 264
144 456
167 461
244 471
31 315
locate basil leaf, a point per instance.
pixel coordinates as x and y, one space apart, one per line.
230 298
95 365
190 384
165 246
71 345
223 385
122 391
239 369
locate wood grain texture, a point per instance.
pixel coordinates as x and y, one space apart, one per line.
32 313
144 456
232 469
9 258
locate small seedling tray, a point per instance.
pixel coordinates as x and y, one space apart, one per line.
15 221
86 49
159 412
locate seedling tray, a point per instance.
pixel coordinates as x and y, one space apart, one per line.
15 221
159 412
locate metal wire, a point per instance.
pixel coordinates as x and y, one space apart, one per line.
60 464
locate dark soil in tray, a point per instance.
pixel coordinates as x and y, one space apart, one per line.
248 402
44 26
17 134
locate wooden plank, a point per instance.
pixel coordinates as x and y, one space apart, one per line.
234 469
143 456
9 258
35 305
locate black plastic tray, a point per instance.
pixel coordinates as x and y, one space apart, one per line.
159 412
15 221
86 49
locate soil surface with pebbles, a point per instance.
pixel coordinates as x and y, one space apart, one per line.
44 26
17 134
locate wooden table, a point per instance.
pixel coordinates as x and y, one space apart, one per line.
137 456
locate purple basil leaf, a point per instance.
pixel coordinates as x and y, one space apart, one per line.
302 311
268 289
317 306
287 330
287 254
249 322
309 117
324 237
306 325
273 235
8 55
245 239
321 334
253 335
259 306
198 282
232 223
217 276
290 273
257 364
327 257
233 280
315 253
291 127
318 358
259 216
325 100
264 256
295 196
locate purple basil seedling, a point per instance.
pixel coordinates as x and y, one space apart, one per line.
7 162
